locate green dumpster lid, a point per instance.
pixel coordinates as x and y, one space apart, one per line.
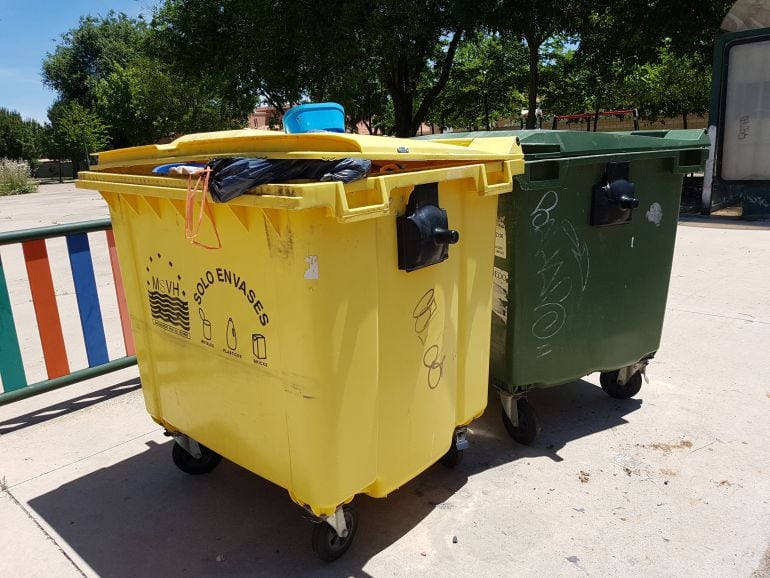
568 143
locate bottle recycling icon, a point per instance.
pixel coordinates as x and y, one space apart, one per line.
232 336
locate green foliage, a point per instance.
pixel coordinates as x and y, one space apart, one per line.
15 178
536 23
146 102
205 64
285 51
75 132
570 85
629 32
90 53
486 84
671 85
614 37
112 66
668 85
19 139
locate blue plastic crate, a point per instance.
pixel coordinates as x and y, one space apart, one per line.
328 116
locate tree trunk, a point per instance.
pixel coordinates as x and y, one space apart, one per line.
397 83
597 109
402 108
435 90
534 63
400 84
684 120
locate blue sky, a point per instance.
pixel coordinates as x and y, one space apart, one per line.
28 30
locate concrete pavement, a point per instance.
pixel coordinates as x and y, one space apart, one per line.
675 482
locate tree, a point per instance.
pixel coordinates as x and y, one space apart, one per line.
88 54
19 139
613 37
671 86
571 85
631 32
283 51
485 84
111 67
536 23
75 132
624 35
146 102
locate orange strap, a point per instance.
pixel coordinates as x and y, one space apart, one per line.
389 167
192 229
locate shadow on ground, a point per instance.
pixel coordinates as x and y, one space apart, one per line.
143 517
66 407
54 180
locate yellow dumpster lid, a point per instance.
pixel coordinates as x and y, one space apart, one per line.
317 145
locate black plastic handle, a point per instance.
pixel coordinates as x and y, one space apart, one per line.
622 192
445 236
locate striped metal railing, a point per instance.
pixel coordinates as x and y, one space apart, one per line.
49 327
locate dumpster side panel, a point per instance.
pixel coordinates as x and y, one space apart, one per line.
434 333
573 303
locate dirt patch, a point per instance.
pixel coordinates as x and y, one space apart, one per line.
667 472
584 477
763 570
667 448
725 483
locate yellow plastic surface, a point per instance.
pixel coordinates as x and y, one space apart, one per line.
320 145
299 350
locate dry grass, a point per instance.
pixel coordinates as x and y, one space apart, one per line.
16 178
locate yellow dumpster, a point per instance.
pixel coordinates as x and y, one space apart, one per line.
328 345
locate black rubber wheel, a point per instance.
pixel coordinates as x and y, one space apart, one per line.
612 388
184 461
327 545
526 432
453 456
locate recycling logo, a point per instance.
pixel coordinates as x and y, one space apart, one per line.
169 307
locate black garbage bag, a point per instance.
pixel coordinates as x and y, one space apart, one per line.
231 177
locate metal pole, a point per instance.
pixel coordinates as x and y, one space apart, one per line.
54 231
74 377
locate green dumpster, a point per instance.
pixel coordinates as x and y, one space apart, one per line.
583 259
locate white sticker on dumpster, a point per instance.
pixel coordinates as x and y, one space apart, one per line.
312 267
500 244
500 294
655 214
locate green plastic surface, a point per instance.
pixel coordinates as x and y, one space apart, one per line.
572 298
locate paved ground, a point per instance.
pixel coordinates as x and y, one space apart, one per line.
674 483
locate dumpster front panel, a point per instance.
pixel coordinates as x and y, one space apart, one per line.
300 350
572 298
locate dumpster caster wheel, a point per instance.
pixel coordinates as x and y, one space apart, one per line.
526 432
612 388
453 457
328 544
188 464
